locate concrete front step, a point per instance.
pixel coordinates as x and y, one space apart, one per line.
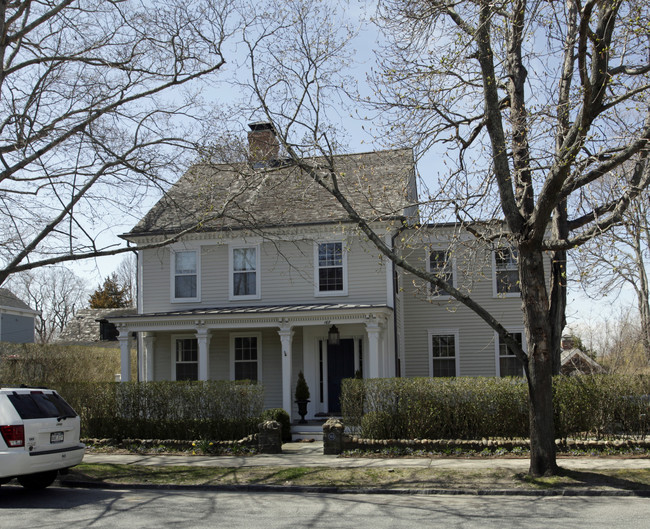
316 436
307 431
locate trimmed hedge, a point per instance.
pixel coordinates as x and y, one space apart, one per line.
216 410
475 408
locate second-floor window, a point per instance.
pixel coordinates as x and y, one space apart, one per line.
186 275
441 264
330 260
506 271
245 273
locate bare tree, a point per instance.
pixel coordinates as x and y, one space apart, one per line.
100 103
126 273
620 257
56 292
533 103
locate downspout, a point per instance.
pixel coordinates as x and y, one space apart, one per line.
398 364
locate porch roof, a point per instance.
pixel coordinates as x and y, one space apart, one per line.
266 315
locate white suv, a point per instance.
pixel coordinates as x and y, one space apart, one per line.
39 436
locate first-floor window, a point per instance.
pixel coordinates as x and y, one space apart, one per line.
246 357
187 359
509 364
443 355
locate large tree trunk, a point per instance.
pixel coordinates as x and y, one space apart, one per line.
539 370
557 309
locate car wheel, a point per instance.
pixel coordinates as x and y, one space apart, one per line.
37 481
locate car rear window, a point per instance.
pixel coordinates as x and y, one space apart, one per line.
39 405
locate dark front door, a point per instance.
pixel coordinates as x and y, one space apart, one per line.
340 365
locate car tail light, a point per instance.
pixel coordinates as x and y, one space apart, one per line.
14 436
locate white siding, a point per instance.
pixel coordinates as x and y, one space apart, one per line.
287 276
476 338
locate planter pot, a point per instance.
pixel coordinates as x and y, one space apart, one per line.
302 410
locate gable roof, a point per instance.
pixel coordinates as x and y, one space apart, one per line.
9 300
576 360
380 185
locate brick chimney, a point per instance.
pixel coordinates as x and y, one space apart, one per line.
263 144
568 342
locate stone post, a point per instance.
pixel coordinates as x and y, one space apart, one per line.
270 437
333 437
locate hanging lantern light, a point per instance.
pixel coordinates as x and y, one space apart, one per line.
333 336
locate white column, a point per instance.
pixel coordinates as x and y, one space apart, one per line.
374 330
125 354
148 342
203 339
286 335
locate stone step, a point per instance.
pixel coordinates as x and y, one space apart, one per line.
307 431
298 435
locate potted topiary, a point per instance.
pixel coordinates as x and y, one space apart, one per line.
302 397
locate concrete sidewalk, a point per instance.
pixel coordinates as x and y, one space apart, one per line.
311 455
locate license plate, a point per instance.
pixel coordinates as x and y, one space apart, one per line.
56 437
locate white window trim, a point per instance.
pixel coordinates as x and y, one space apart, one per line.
495 293
439 332
430 294
175 337
172 274
497 357
259 352
331 293
231 272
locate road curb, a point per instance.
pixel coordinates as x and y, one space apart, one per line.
644 493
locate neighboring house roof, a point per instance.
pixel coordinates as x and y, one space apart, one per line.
575 361
10 302
85 326
380 185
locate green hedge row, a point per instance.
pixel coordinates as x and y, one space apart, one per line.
603 406
216 410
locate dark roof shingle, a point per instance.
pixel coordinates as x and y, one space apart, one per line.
379 185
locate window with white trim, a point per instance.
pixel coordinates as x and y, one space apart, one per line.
245 276
441 264
506 271
185 275
509 364
330 269
246 360
187 359
443 353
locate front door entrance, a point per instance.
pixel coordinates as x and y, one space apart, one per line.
340 365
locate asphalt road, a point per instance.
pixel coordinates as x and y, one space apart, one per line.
85 508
